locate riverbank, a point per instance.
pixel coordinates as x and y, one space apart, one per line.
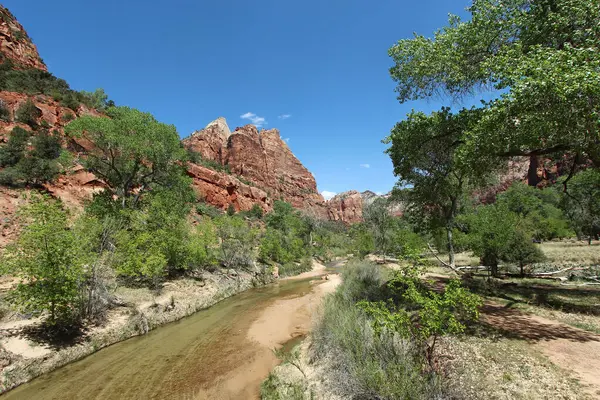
24 358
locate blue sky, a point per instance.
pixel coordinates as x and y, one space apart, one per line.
315 69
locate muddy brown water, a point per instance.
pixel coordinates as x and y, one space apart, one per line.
204 356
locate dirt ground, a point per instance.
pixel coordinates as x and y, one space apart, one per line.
567 347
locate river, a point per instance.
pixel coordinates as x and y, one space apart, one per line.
223 352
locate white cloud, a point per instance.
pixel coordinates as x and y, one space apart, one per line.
255 119
365 165
284 116
379 193
287 139
327 195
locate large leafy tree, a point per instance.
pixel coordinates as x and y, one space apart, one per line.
132 152
542 57
424 150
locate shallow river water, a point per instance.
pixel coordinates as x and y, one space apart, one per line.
205 356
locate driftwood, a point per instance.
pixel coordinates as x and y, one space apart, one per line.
580 284
445 264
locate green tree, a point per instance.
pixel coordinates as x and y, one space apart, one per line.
238 242
424 151
287 237
522 251
539 210
379 220
46 259
543 59
14 150
35 166
97 99
582 203
132 152
256 212
363 243
28 113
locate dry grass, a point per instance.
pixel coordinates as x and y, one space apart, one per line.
578 252
503 369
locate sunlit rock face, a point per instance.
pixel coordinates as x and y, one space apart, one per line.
261 160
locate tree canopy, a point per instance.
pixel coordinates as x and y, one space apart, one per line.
132 152
542 58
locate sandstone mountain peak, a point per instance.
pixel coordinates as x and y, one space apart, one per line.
16 45
220 125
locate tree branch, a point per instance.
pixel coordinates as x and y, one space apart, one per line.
445 264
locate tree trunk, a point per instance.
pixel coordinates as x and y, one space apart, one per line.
450 246
522 270
494 270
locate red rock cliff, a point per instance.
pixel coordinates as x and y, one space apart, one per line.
16 45
262 159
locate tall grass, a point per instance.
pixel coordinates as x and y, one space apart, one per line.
367 365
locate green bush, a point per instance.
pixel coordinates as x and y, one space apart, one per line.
4 112
522 251
67 117
255 212
231 210
33 81
28 113
295 268
50 275
34 166
363 363
14 150
238 242
208 210
421 314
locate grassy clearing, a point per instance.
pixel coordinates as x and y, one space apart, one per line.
559 252
578 252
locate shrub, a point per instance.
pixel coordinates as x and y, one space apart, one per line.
67 117
294 268
238 242
281 248
35 166
361 362
50 275
231 210
11 176
208 210
4 111
28 113
14 150
256 212
361 280
203 246
523 252
420 314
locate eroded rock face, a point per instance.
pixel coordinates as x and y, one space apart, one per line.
211 142
16 45
261 158
220 190
346 207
